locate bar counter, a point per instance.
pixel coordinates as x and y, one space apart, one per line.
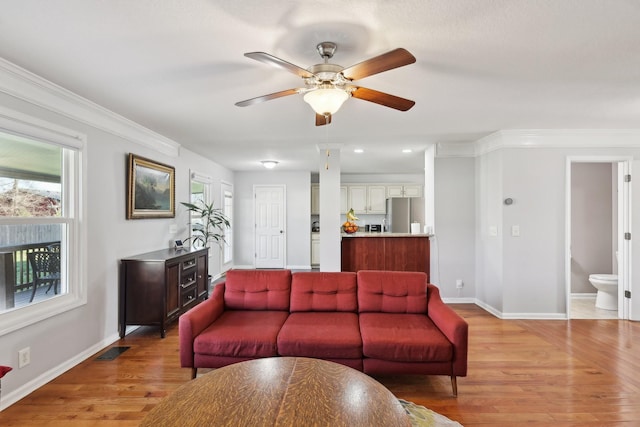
385 251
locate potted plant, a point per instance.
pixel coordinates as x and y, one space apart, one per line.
214 221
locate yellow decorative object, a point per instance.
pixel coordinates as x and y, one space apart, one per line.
350 226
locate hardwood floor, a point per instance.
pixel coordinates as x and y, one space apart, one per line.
521 372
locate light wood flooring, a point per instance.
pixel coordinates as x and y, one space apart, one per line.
521 372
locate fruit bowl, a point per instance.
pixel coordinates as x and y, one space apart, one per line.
350 227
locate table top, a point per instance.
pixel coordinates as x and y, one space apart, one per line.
280 391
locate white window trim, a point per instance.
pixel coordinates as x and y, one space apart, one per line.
15 123
227 187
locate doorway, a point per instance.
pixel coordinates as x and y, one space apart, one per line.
269 220
597 218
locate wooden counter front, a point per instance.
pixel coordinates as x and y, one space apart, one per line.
386 252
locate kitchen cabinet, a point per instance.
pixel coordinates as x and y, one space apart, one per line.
367 199
406 190
344 199
157 287
315 249
315 199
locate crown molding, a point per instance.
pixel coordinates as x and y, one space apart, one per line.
24 85
558 138
455 149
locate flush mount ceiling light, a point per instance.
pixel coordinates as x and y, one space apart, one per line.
407 150
269 164
358 150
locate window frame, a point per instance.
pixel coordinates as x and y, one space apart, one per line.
73 205
227 193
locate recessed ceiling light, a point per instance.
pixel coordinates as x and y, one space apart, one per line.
407 150
269 164
358 150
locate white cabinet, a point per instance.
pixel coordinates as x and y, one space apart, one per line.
377 197
357 198
344 199
407 190
413 191
315 199
315 249
367 199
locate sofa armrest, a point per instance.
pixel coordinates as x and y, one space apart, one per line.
196 320
452 325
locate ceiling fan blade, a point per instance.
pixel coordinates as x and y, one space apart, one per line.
387 61
279 63
323 120
382 98
268 97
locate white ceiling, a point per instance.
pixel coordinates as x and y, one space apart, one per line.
177 67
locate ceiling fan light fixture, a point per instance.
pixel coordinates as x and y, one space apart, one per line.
326 101
269 164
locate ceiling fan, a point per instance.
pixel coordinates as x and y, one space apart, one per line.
327 86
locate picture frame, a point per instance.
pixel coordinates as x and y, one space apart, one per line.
150 189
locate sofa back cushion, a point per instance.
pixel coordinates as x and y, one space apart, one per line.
257 290
392 292
313 291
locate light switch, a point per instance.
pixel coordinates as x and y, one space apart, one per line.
493 231
515 230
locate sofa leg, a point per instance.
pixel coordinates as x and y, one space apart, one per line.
454 384
194 373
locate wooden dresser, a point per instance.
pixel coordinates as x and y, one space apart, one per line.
157 287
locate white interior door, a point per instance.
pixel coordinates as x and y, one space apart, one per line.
269 226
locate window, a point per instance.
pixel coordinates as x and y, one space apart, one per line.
227 209
40 262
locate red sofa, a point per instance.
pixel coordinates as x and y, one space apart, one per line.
379 322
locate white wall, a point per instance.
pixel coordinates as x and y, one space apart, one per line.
453 246
489 289
60 342
298 212
525 276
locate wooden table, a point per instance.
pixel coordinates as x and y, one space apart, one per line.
280 391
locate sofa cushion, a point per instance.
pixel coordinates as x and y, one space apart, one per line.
312 291
403 338
242 334
392 291
257 290
321 335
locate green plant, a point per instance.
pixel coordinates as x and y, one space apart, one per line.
214 221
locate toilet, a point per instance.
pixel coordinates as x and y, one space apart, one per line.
607 286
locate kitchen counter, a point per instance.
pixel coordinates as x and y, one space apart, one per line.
385 234
385 251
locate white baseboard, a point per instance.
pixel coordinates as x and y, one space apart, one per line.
27 388
589 295
521 316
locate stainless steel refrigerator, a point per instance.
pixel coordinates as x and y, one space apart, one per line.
402 211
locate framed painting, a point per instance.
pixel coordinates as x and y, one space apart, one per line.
150 189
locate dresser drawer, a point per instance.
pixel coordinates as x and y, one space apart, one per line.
189 295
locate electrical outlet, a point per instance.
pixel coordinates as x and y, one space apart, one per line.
24 357
459 284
